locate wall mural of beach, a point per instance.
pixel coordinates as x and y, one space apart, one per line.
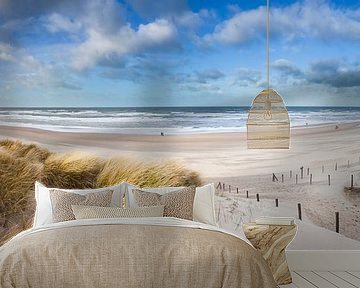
92 87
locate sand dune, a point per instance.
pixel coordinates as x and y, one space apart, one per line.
224 157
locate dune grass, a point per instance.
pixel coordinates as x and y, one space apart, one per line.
22 164
72 170
31 152
146 174
17 177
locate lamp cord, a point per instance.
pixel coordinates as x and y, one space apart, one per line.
268 115
268 46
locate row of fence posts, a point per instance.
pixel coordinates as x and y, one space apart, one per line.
311 179
337 214
222 186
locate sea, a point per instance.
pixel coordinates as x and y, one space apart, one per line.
169 120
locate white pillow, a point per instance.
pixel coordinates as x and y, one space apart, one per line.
43 212
204 203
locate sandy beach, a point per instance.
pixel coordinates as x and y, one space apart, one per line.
224 157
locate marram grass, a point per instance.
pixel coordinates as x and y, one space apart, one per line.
146 174
32 152
17 177
72 170
22 164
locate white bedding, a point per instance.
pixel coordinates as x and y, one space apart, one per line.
140 253
157 221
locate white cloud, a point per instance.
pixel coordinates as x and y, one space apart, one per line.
18 56
188 19
193 20
6 53
28 72
103 37
240 28
208 75
287 68
309 18
202 77
247 77
57 23
125 41
153 33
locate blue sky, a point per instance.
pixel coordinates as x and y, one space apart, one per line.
177 53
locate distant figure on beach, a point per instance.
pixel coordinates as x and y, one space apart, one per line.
275 178
162 134
336 127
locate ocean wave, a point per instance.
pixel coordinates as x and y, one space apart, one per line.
156 120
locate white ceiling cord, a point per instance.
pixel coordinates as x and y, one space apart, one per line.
267 44
267 107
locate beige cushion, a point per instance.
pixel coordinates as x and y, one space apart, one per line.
61 202
43 212
94 212
129 196
177 204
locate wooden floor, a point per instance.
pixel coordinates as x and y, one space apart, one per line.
327 279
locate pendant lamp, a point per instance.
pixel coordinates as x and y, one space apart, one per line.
268 123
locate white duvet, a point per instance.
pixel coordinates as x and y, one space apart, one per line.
157 221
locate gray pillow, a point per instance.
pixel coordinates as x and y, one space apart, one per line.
177 204
61 202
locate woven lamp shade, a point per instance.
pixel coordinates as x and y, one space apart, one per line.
268 124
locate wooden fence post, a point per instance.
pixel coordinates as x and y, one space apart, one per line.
277 202
336 166
237 190
299 211
337 222
282 178
310 179
296 178
219 185
257 197
247 194
229 188
329 179
290 173
308 171
352 182
224 186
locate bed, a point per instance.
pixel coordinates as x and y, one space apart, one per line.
131 252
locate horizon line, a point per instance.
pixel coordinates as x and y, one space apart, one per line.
196 106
